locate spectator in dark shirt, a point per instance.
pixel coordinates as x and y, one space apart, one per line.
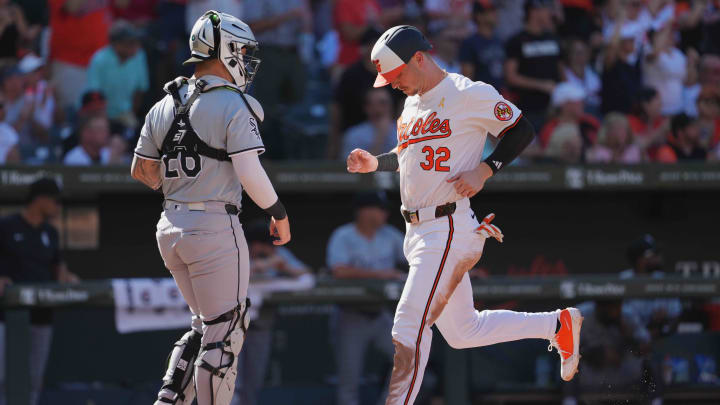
30 253
532 67
622 76
14 28
578 19
482 54
347 108
683 143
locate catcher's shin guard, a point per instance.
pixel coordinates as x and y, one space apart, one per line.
179 382
219 359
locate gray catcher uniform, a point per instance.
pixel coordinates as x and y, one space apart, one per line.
193 131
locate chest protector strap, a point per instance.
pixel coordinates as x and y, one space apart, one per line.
181 137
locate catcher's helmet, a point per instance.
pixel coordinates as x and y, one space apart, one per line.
227 38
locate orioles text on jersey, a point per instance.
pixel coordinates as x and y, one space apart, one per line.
431 125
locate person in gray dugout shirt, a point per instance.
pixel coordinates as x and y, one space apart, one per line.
200 145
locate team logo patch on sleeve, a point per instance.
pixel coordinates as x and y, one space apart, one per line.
254 128
503 112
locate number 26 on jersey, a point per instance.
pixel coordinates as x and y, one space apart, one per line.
434 159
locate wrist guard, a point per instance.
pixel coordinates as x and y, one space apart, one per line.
277 210
387 162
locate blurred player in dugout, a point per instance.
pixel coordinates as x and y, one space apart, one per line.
367 248
30 253
267 263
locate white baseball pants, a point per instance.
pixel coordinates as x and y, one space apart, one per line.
438 291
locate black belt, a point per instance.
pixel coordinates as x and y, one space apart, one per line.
232 209
440 211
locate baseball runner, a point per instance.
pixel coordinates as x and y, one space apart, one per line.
441 134
200 144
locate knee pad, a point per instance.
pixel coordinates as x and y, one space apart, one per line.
178 384
223 376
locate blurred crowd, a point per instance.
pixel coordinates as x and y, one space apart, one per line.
602 81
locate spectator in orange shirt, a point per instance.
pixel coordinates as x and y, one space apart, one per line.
647 123
568 105
352 18
564 146
79 28
684 144
615 143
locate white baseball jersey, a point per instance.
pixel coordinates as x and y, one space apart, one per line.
442 133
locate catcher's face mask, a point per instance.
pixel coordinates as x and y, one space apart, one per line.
222 36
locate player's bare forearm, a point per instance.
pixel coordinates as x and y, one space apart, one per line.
147 172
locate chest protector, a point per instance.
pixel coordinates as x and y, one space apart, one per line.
181 141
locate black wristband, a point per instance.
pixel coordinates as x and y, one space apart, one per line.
387 162
277 210
494 165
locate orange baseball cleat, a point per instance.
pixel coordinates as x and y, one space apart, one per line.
567 342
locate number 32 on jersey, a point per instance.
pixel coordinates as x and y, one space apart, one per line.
434 158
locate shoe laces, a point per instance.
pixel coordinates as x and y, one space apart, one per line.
561 352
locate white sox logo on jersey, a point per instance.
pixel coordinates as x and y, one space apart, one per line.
254 128
422 130
181 132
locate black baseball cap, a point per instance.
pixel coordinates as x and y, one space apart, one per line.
44 187
644 246
394 50
370 199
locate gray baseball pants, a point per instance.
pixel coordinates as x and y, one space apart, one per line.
207 255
